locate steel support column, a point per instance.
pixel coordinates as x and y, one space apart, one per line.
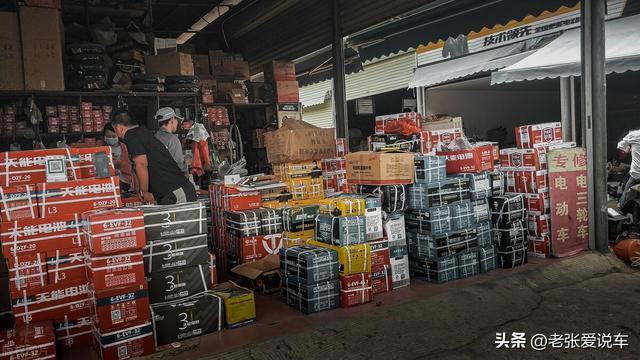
339 92
565 108
594 117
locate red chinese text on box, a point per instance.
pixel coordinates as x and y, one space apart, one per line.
569 204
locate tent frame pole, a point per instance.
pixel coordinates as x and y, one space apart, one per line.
594 117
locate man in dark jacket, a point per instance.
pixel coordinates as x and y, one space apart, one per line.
160 179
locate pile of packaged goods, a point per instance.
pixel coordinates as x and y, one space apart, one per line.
525 173
334 171
68 118
43 195
179 274
310 280
119 299
87 68
8 120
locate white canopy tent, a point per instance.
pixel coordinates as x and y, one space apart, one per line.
561 57
465 66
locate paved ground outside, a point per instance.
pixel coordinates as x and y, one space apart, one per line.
591 293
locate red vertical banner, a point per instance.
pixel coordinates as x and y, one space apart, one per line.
569 208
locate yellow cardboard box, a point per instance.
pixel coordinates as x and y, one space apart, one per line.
239 304
342 206
298 238
306 188
353 259
302 169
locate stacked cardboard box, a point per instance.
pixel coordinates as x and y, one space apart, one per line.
119 298
281 85
177 265
299 223
510 232
254 234
304 179
40 234
226 198
8 119
525 172
239 304
334 171
29 167
342 223
448 224
310 280
28 341
386 176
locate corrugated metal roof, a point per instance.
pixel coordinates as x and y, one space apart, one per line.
316 94
305 26
390 74
460 17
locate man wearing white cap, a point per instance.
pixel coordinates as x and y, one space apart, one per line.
168 121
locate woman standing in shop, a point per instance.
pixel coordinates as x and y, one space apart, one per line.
120 157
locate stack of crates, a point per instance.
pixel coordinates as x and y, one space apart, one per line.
341 226
299 223
394 203
304 181
447 221
510 231
310 280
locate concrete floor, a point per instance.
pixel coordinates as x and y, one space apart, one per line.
589 293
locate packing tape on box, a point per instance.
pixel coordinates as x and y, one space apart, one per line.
416 196
171 249
201 207
8 210
113 188
274 222
18 277
364 262
14 235
73 167
387 278
57 265
315 254
403 197
348 237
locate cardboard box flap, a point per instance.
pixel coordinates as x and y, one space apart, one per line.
254 269
293 124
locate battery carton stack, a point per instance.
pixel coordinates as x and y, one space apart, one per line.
41 235
386 175
299 224
525 172
177 267
8 119
254 234
119 299
341 226
442 233
224 199
304 180
334 171
449 226
310 280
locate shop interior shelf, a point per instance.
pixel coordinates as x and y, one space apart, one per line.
107 93
242 106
